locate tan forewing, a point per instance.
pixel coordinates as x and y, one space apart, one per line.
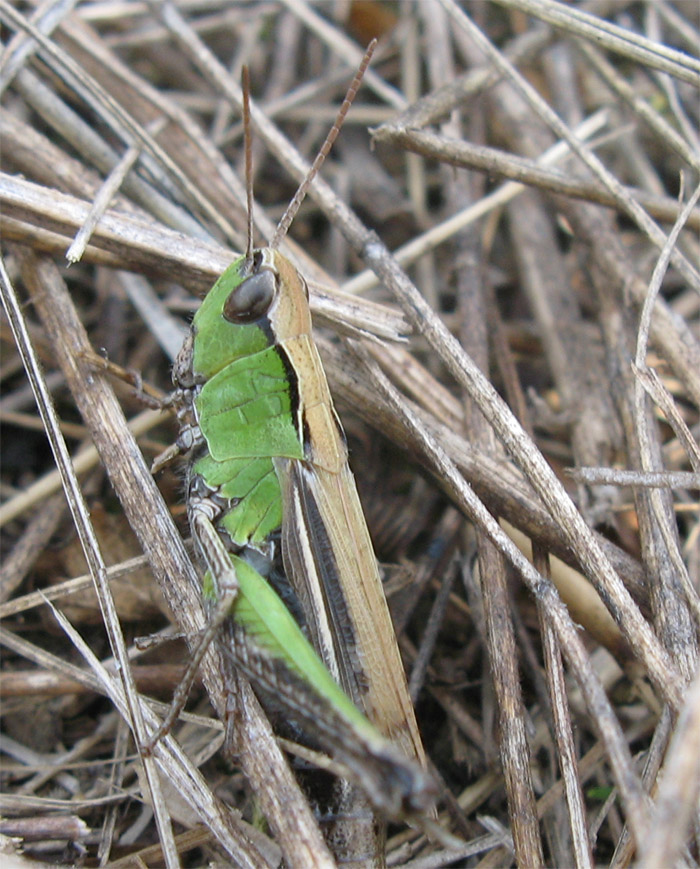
327 550
330 561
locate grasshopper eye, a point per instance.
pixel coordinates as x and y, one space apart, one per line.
252 298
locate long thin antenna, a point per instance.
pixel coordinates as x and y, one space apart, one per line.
248 147
298 198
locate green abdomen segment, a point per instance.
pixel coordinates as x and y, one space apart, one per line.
247 415
249 409
252 487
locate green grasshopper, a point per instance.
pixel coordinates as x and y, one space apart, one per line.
268 470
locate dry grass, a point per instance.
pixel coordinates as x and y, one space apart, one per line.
562 715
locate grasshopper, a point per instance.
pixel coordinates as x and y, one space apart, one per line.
270 494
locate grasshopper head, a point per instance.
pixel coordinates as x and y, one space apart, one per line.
253 297
257 302
271 293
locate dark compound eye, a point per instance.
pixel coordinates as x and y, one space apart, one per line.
252 298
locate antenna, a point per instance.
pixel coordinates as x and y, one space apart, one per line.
298 197
248 148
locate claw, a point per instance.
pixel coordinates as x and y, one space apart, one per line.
162 460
